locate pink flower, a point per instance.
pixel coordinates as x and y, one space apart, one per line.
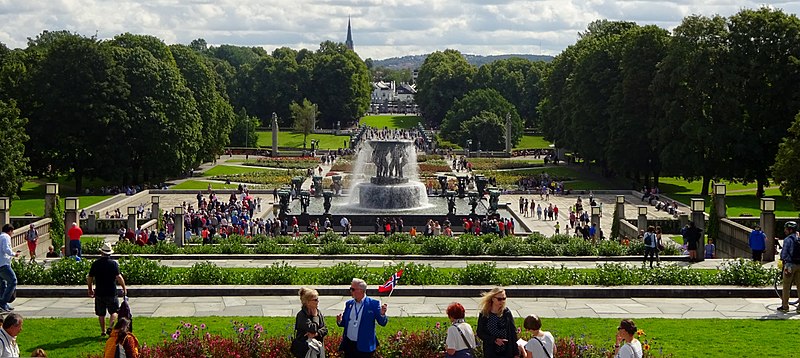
438 325
175 336
202 326
241 329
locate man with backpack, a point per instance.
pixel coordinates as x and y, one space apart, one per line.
790 255
105 274
650 245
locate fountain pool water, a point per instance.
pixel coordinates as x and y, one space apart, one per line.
385 177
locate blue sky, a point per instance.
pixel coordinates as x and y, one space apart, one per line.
381 28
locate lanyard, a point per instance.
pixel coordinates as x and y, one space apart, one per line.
357 311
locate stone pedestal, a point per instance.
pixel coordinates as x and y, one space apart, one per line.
620 209
50 198
767 223
132 218
719 205
156 211
92 223
5 211
179 230
274 135
641 222
70 216
595 219
683 220
699 219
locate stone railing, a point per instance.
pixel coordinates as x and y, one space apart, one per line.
628 229
733 240
133 200
151 224
41 226
24 221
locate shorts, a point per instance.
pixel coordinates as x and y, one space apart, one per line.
105 303
32 246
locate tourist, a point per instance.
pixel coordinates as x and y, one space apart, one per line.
659 245
121 338
650 247
790 256
496 326
558 228
7 274
358 320
627 345
32 237
413 231
12 325
542 344
309 324
74 233
691 238
460 339
758 243
105 274
51 252
345 223
710 251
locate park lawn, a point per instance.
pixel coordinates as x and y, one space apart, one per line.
391 121
740 199
77 337
31 198
295 140
203 185
233 169
533 142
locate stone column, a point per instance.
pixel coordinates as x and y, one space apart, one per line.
274 135
699 219
156 210
92 223
508 133
595 210
179 229
767 223
70 216
5 208
51 191
641 222
132 218
620 209
719 200
683 219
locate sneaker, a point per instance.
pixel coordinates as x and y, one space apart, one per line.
108 331
783 309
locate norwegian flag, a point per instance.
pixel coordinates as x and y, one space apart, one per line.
391 282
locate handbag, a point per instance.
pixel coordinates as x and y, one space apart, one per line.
470 350
299 347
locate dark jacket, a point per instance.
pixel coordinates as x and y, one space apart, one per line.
303 324
510 348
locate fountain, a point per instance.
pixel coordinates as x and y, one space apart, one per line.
393 182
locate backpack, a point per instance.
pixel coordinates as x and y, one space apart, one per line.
648 239
119 352
795 254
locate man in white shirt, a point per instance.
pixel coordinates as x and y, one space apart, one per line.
9 279
12 325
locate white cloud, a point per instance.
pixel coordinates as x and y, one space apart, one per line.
381 28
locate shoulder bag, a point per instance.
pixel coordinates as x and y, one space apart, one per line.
543 348
463 337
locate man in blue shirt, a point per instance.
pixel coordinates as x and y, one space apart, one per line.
758 243
9 279
790 255
358 320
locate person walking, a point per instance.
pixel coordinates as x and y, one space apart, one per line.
650 245
693 237
460 339
790 256
496 326
7 275
358 320
758 243
627 345
104 273
12 325
74 233
542 344
32 238
309 324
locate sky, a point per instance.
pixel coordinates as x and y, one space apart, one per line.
381 28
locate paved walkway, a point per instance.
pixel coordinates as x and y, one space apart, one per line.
287 306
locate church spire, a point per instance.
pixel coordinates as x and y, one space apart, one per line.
349 42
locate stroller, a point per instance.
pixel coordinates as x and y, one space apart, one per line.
125 311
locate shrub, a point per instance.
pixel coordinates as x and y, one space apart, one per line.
398 248
277 274
674 275
611 248
141 271
636 248
489 238
535 237
478 274
331 236
741 272
232 246
302 248
67 271
508 246
353 239
92 245
29 273
400 237
125 247
439 245
670 250
284 239
544 276
613 274
308 239
561 239
470 245
164 247
204 273
335 248
543 248
343 273
578 247
417 274
268 247
375 239
200 249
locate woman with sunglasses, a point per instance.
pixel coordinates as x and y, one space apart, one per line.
309 325
496 326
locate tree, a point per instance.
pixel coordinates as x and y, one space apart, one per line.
472 105
13 162
339 84
517 80
443 78
486 128
786 170
244 133
305 117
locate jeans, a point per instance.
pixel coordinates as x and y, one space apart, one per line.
75 248
650 252
8 286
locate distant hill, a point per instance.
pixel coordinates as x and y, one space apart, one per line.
415 61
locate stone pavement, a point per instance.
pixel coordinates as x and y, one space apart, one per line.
287 306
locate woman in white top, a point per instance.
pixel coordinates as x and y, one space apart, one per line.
627 345
542 343
460 339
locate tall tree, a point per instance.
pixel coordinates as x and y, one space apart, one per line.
339 85
474 104
517 80
785 171
444 77
13 162
305 117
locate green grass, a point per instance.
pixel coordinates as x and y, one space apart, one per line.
295 140
740 198
203 185
77 337
532 142
31 197
232 170
391 121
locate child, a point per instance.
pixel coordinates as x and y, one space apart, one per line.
710 250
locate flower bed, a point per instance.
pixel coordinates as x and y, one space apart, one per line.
285 162
495 163
270 178
433 167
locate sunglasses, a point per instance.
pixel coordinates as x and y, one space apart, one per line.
314 299
500 298
352 289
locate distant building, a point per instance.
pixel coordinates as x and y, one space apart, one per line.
388 97
349 42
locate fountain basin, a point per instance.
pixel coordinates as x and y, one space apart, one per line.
408 195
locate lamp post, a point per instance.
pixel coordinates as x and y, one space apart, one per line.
51 191
620 209
70 216
641 221
595 211
699 219
767 222
132 217
156 210
5 207
469 146
177 236
719 200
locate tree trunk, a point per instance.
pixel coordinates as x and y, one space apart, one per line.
762 182
78 181
706 183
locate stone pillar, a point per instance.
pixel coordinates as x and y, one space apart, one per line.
179 229
641 222
620 209
51 191
767 224
132 218
156 210
508 133
70 216
5 211
683 219
274 135
699 219
719 200
92 223
595 211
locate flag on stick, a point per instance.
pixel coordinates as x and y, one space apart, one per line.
390 283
